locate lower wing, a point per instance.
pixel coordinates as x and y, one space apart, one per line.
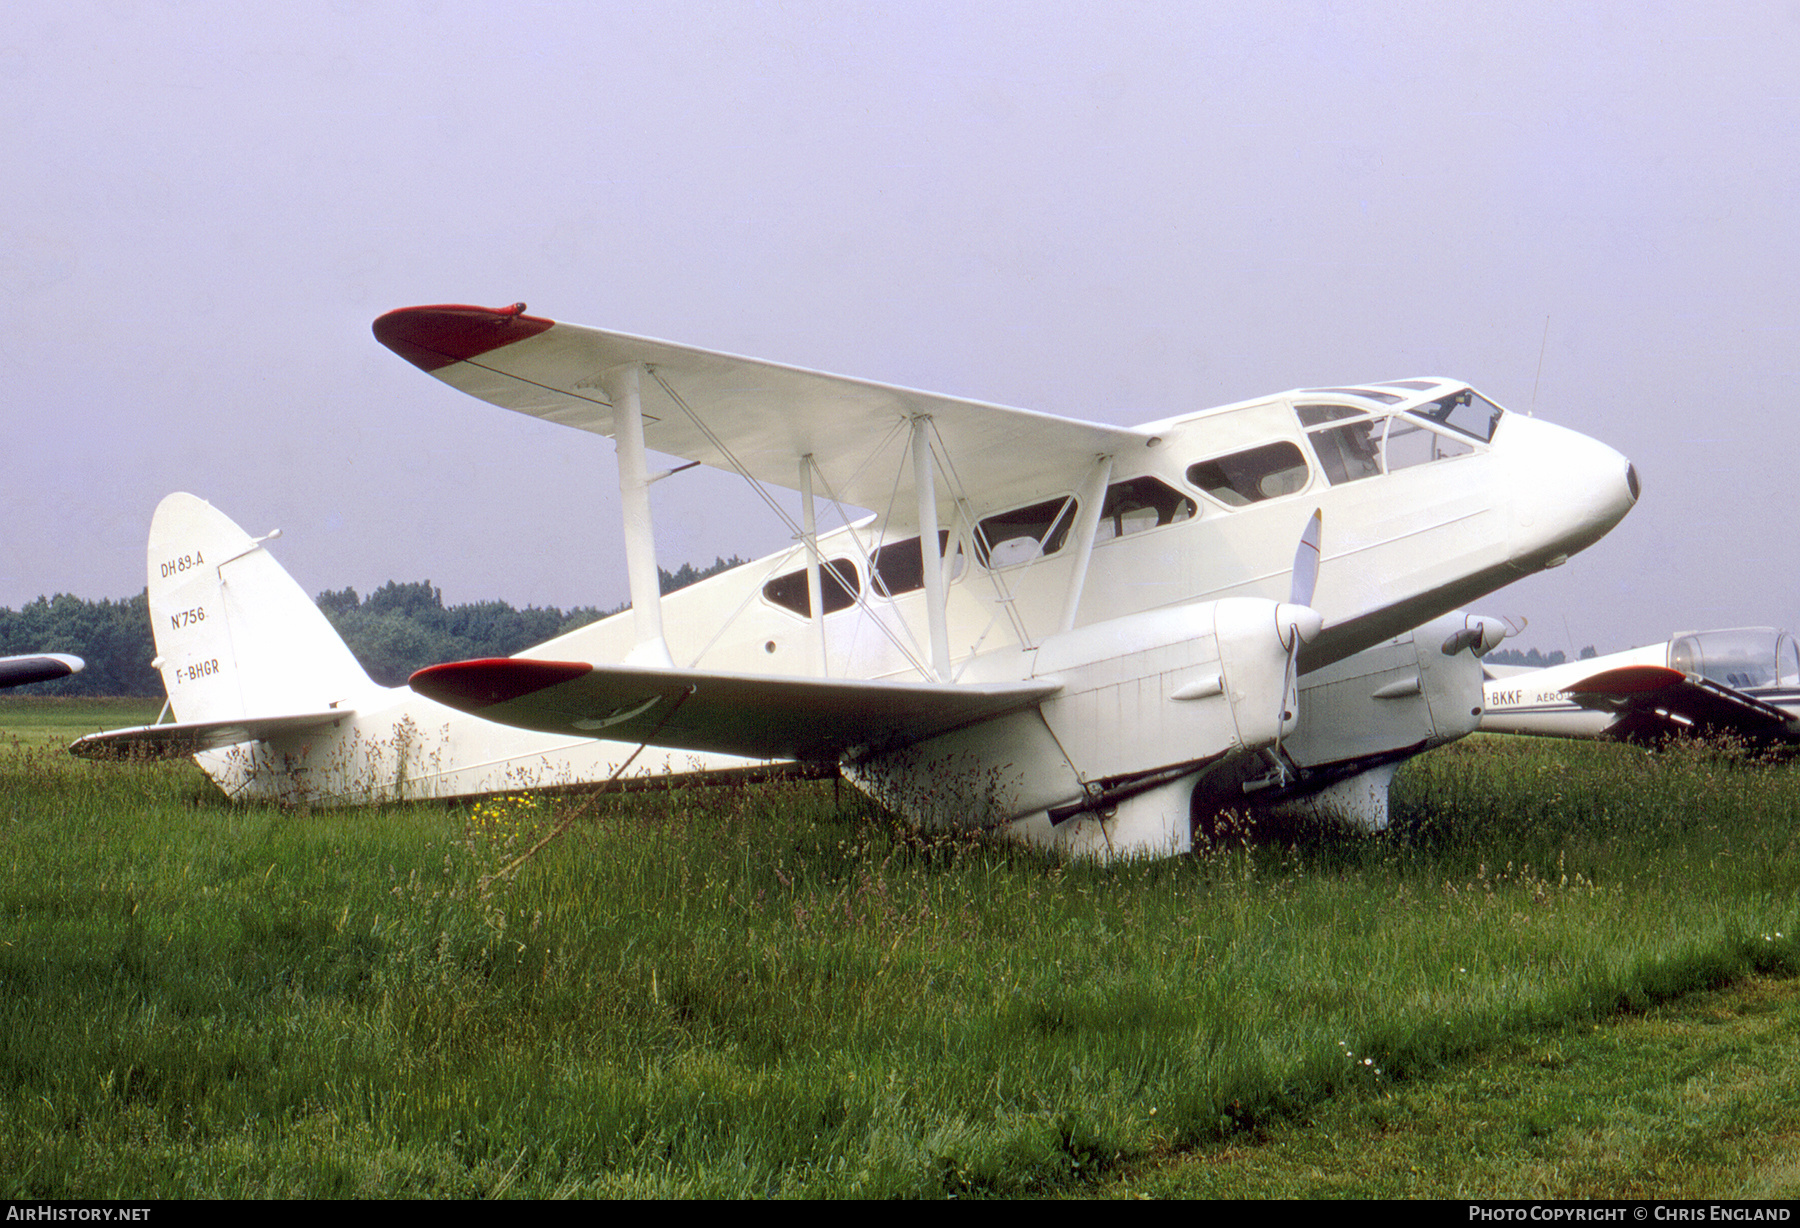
753 715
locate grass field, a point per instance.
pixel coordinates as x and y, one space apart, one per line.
771 991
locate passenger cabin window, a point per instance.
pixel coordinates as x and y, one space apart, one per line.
1247 477
838 586
1139 504
899 567
1025 533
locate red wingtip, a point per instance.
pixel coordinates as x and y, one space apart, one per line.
1627 680
472 685
434 337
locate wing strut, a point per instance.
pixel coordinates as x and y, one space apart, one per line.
622 384
815 584
931 552
1087 522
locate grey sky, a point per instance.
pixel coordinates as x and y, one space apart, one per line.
1110 212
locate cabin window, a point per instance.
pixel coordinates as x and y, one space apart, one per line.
838 585
1025 533
1243 478
1370 446
1466 411
1410 443
899 568
1319 415
1351 452
1139 504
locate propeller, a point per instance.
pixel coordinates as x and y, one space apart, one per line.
1306 561
1296 622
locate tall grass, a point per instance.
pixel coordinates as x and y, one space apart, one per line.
774 991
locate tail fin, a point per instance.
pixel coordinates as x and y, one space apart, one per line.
235 636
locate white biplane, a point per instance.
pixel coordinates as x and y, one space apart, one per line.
1085 634
1090 649
272 705
1743 681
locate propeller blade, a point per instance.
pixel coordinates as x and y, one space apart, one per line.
1297 621
1306 561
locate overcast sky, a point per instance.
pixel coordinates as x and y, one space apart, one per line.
1115 212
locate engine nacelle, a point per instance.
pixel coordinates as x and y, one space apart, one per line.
1106 766
1173 686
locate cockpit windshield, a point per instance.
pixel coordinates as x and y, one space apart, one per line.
1743 657
1466 411
1354 443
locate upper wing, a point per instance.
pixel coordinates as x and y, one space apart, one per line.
179 740
20 671
1653 700
763 414
757 716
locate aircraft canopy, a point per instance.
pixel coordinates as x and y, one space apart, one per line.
1740 657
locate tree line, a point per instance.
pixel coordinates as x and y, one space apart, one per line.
393 631
1535 659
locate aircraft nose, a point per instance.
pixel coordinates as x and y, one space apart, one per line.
1569 490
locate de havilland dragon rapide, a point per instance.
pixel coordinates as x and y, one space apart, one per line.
1087 636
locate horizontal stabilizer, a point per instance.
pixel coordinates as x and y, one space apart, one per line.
21 671
1655 699
757 716
178 741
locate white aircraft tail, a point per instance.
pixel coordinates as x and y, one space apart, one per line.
236 637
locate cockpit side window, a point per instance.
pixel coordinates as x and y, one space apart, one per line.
1319 415
1349 452
1138 504
1466 411
1410 442
1024 533
1353 444
1243 478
